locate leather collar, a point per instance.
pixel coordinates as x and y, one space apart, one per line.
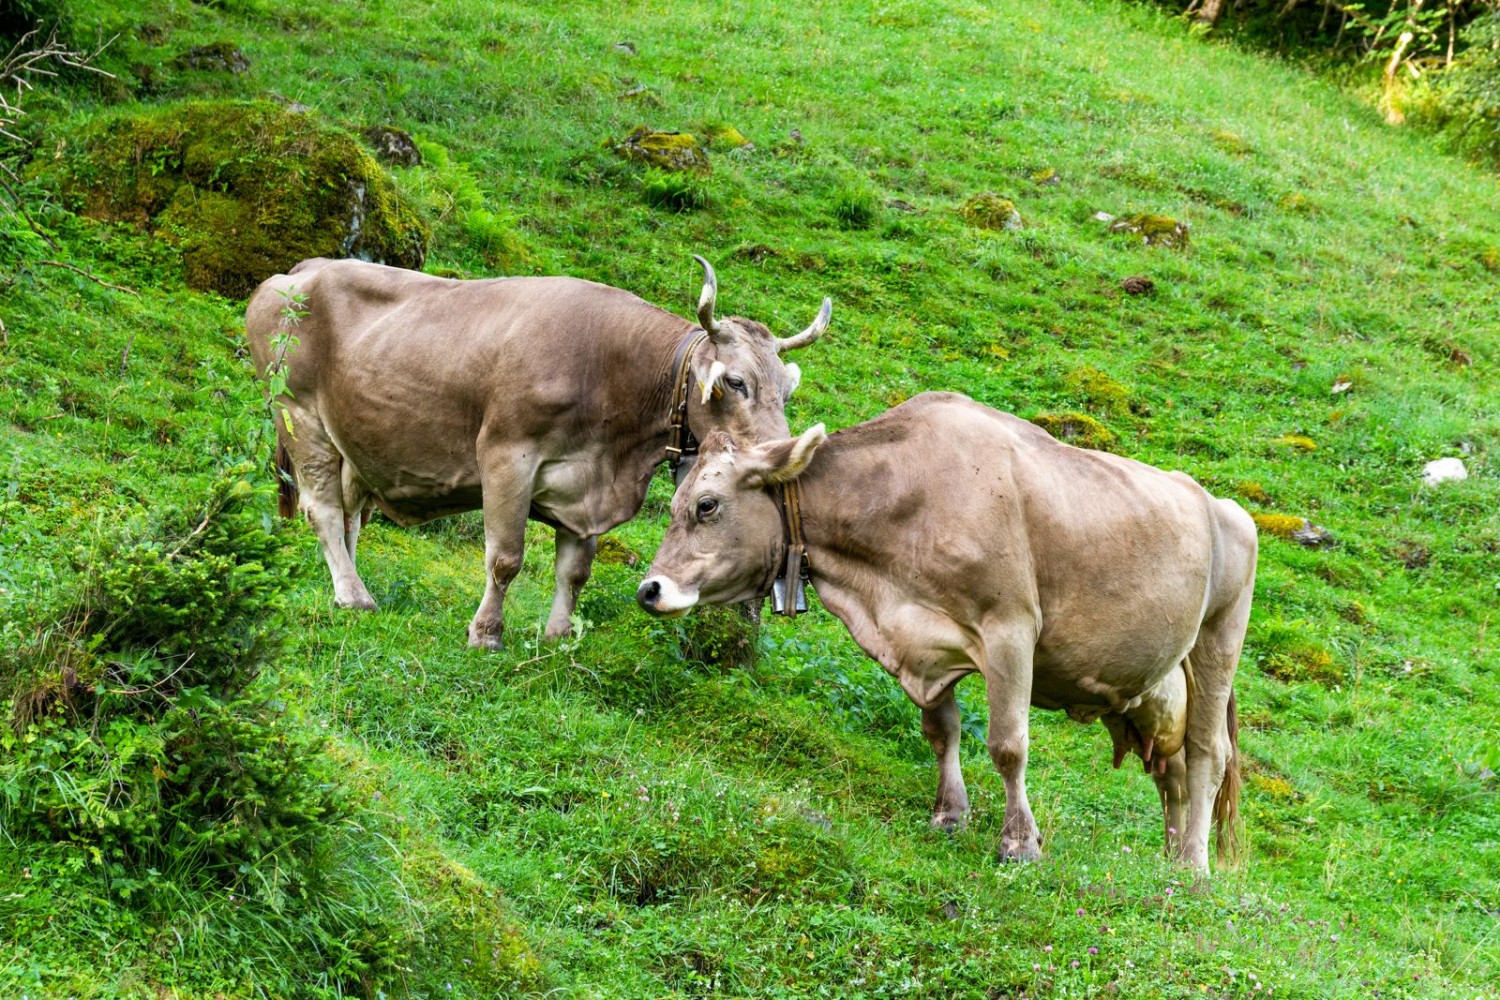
682 442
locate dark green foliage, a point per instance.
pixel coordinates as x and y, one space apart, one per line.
17 17
1464 100
136 730
243 190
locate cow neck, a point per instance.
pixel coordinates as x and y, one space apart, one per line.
789 593
682 441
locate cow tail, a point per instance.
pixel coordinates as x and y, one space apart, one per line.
1227 802
286 482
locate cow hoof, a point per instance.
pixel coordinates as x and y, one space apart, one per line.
494 643
359 602
556 632
950 822
1020 852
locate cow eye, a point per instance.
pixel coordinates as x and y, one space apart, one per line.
737 384
706 507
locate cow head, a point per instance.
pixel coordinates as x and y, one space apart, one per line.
740 385
726 543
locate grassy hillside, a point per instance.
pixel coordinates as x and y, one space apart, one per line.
621 814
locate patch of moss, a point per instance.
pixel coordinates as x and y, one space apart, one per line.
243 190
1232 142
1046 177
1154 230
1286 652
1252 491
669 151
1272 785
722 134
613 551
1100 391
1283 526
990 211
1298 202
1298 442
1077 429
467 926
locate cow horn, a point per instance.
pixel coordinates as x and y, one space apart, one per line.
710 386
706 300
812 333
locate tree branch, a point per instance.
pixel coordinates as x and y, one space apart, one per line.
86 274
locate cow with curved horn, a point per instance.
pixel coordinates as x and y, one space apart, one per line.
552 399
954 539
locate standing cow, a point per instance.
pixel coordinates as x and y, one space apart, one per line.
953 539
546 398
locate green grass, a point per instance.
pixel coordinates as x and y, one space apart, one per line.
607 818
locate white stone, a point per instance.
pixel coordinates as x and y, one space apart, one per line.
1443 470
1104 217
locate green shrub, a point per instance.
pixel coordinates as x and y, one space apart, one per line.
138 732
1464 100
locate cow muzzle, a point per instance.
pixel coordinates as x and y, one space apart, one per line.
659 596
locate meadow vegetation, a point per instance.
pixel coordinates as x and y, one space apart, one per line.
214 784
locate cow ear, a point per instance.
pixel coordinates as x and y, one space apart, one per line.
779 462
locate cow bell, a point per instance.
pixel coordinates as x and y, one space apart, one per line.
796 603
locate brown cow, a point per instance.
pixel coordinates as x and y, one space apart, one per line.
547 398
953 539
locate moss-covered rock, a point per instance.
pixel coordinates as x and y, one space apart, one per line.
670 151
392 145
244 190
216 57
1076 428
615 552
1154 230
990 211
1290 528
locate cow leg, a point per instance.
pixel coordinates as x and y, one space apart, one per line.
1007 682
575 560
940 724
320 490
507 501
356 506
1208 745
1171 785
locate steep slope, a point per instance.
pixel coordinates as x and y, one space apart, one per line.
611 817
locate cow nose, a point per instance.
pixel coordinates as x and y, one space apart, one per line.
648 594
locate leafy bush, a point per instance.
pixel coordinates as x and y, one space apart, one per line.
137 731
1464 100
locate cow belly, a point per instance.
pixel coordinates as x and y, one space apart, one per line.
422 507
